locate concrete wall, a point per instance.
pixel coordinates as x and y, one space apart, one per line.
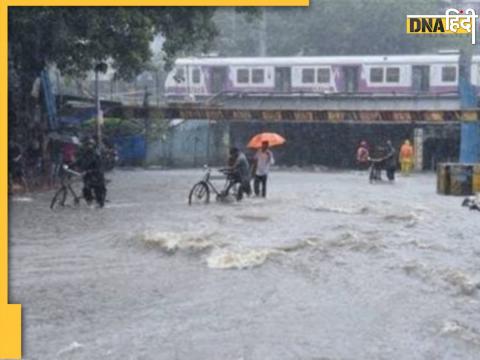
334 145
194 143
191 143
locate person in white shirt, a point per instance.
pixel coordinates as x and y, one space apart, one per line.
263 159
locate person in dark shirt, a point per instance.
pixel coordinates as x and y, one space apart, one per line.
390 161
34 162
89 162
16 173
240 172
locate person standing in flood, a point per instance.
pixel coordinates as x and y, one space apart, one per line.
362 155
69 151
240 169
16 171
261 167
406 158
390 161
90 163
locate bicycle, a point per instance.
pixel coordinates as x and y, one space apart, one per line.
200 192
68 178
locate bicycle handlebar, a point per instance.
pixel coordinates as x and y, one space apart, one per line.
225 170
72 172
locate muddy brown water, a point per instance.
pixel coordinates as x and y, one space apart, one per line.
327 267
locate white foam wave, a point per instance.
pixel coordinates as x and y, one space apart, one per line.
70 348
409 219
354 242
22 199
222 257
120 205
462 331
173 241
229 259
253 217
465 282
459 279
355 210
426 246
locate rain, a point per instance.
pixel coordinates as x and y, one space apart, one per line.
245 183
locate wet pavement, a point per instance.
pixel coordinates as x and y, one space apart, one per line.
327 267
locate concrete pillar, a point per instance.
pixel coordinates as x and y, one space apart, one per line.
418 137
470 143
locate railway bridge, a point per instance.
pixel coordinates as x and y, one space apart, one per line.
202 133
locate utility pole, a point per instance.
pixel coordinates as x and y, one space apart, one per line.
147 123
100 67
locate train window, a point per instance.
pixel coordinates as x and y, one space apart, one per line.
449 74
393 74
323 75
196 76
308 76
258 76
243 76
179 75
376 75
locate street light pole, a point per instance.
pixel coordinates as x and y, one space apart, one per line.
100 67
98 109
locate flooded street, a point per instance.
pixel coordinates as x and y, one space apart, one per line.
327 267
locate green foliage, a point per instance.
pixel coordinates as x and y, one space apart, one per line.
78 38
113 127
157 129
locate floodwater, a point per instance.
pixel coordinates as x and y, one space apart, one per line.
327 267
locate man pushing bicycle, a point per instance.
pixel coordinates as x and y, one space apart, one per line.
90 164
239 172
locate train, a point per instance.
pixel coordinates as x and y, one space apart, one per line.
388 75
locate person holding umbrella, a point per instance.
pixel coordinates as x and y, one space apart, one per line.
261 166
263 159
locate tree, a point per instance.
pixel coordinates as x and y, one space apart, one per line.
77 39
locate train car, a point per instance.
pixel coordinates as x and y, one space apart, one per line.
353 75
475 73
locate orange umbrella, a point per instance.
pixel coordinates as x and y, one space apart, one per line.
272 138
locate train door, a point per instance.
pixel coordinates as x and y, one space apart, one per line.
350 79
421 78
283 79
218 79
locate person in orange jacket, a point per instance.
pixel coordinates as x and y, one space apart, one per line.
406 157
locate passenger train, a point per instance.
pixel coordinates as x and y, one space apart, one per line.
408 75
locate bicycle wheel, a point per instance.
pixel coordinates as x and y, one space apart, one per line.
200 193
59 198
